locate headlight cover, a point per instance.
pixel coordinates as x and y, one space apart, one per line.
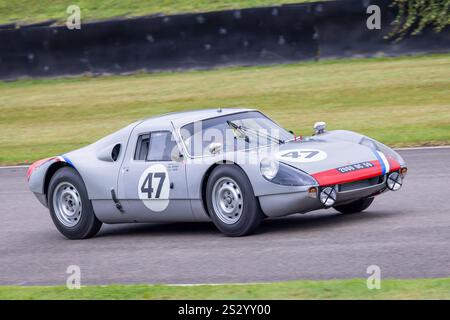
283 174
269 168
388 152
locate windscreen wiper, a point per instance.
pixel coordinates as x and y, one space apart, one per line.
258 133
239 129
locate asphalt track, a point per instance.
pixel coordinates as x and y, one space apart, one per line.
407 234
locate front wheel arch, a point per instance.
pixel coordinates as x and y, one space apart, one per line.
206 177
251 213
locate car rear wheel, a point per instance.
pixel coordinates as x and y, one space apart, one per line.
70 208
231 202
354 207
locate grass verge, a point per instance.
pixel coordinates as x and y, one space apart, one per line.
34 11
325 289
399 101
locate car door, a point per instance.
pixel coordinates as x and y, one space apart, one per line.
151 184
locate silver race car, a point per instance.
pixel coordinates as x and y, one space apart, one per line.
232 166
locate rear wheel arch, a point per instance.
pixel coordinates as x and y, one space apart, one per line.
51 172
69 204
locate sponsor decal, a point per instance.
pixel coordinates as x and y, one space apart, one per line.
154 188
302 155
172 167
354 167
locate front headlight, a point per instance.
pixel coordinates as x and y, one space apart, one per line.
284 174
388 152
269 168
369 143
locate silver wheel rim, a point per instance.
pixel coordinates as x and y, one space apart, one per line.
67 204
227 200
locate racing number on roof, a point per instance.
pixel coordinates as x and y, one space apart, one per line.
147 184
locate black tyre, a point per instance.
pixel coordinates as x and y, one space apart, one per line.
354 207
69 205
231 202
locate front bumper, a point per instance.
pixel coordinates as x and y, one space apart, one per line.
277 205
360 189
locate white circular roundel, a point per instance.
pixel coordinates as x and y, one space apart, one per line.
302 155
154 188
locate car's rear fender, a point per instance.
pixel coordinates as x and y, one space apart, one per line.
40 173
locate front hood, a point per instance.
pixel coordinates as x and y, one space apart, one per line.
333 162
316 156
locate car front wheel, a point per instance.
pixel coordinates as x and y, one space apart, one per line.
231 202
69 205
354 207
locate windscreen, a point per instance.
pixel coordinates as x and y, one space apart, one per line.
234 132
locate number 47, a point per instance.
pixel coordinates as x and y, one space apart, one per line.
305 154
147 185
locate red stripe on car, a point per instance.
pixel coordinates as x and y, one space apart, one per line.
334 176
36 164
393 164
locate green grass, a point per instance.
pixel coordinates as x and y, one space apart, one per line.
399 101
325 289
40 10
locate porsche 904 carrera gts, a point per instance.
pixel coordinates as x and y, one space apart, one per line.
233 167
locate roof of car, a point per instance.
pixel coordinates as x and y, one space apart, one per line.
184 117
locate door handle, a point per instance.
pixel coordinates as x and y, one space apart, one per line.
125 169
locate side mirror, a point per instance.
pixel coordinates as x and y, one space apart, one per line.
319 127
176 155
215 148
110 153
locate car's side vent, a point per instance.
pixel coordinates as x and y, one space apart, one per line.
115 152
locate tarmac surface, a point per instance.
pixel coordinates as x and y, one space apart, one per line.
405 233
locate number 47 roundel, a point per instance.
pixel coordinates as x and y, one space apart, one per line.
302 155
154 188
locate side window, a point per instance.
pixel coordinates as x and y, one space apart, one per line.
156 146
161 147
142 147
